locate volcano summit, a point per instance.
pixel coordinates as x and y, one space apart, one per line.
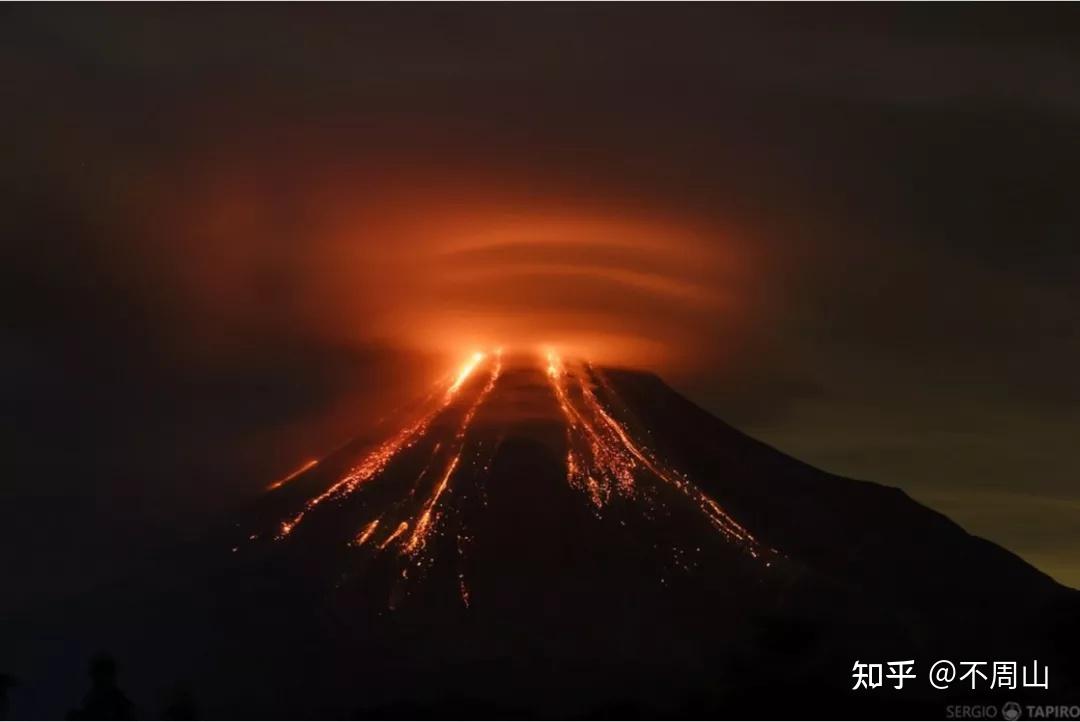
451 448
542 537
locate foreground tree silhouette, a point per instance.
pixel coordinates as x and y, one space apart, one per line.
105 700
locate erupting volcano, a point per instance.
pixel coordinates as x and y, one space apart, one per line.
453 441
543 536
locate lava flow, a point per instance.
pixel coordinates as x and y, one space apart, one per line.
434 472
603 459
377 460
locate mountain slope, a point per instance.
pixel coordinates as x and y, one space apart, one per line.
546 538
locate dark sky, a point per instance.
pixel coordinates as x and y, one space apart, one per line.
235 234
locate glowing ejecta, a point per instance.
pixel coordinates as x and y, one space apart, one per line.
465 372
285 480
377 460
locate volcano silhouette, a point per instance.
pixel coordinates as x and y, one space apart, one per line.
545 538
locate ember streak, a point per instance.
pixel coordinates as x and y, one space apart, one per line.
286 479
604 461
377 460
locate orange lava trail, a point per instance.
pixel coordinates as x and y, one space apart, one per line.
376 461
419 535
401 529
464 590
285 480
364 535
612 467
464 374
610 457
713 511
422 528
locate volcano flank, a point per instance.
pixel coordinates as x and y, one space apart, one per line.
541 537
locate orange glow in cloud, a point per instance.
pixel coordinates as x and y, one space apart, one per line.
610 289
443 270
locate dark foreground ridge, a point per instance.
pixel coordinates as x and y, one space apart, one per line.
554 540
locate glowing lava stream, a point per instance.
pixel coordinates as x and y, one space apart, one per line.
465 372
401 529
377 460
611 462
602 460
615 456
286 479
421 529
364 535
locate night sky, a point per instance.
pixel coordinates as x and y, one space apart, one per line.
234 236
